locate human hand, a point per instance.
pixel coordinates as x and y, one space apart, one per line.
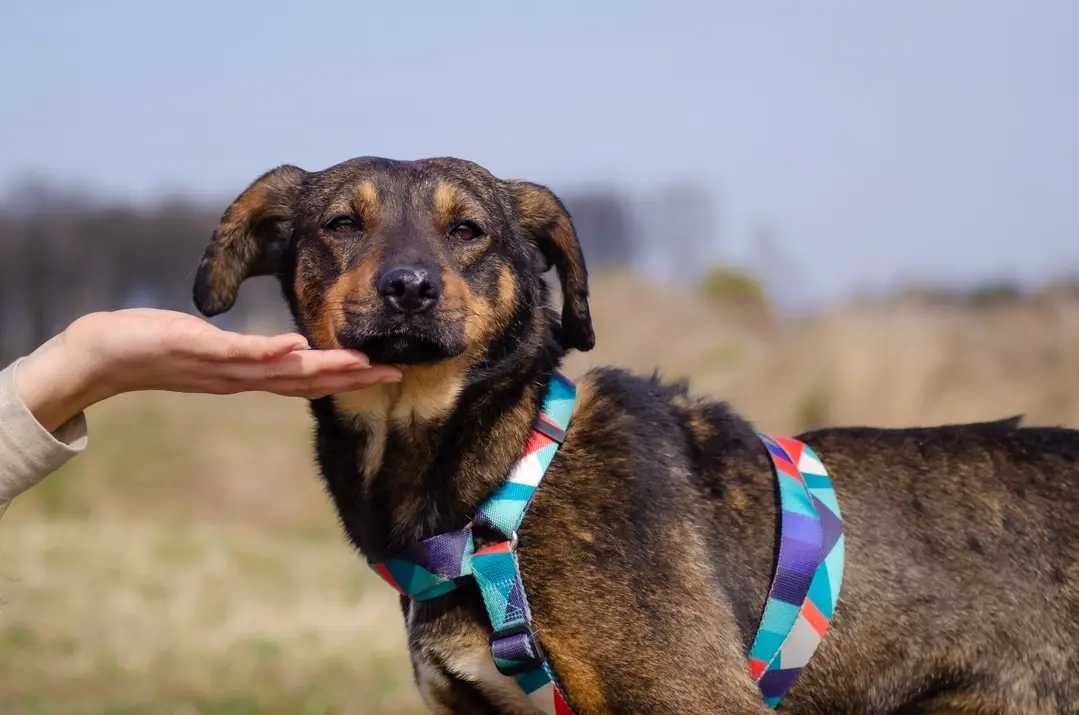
104 354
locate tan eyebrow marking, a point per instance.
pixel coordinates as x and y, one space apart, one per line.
367 203
453 204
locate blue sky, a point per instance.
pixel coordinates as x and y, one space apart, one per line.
882 142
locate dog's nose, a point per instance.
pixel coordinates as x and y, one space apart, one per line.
409 290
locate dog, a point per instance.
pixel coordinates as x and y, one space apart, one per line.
648 552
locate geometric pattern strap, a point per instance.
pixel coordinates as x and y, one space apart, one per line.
514 646
809 569
430 568
433 567
504 511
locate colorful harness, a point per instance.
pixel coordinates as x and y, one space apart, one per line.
809 570
799 607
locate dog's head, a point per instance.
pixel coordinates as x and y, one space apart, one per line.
410 262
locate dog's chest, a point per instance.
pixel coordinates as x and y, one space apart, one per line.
455 648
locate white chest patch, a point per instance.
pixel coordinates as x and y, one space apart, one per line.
475 665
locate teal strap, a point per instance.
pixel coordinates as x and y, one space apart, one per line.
809 569
433 567
800 605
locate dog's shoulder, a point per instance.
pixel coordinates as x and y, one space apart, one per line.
618 400
650 438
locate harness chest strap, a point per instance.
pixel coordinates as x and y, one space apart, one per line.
799 607
433 567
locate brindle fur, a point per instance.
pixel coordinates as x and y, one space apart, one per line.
647 553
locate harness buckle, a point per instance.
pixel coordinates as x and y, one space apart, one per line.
515 650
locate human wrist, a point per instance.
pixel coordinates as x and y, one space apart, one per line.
56 383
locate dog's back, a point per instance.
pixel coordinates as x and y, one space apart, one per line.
961 589
962 583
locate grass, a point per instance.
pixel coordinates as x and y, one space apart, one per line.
190 563
123 615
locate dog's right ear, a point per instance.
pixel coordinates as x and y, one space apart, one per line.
251 239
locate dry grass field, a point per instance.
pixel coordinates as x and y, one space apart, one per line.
189 562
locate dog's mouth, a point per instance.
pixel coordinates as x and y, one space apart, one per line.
402 343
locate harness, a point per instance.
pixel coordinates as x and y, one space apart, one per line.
800 603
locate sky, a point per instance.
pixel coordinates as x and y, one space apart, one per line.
877 143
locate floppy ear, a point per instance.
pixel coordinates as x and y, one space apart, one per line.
251 239
548 226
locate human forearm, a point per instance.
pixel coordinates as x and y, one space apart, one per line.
56 385
42 396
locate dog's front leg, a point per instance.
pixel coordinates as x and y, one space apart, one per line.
445 694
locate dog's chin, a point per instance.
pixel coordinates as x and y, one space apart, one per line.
403 348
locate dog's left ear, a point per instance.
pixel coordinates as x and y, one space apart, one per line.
547 225
251 239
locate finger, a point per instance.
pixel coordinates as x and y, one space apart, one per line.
333 384
236 347
289 342
301 364
310 363
316 361
321 384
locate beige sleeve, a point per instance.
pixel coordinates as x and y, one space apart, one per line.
29 452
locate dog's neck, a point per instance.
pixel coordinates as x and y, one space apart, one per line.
404 462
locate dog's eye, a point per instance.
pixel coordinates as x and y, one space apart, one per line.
465 231
343 224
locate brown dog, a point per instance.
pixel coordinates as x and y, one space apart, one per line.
648 551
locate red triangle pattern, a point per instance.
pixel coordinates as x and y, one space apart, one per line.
536 442
384 572
814 617
787 468
502 547
792 447
756 668
560 706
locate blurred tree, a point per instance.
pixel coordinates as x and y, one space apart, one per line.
678 236
63 254
732 287
602 222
